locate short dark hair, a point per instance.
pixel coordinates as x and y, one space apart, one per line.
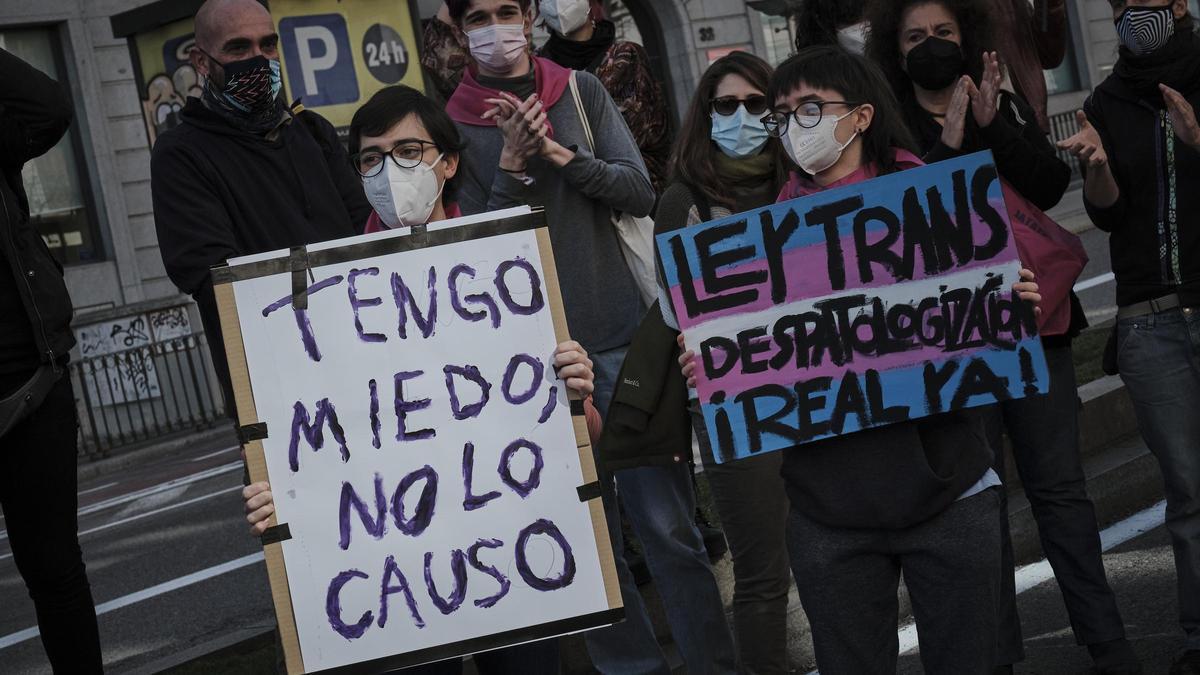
694 160
390 105
856 80
883 40
458 9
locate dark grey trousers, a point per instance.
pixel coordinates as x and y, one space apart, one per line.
1045 440
848 580
753 507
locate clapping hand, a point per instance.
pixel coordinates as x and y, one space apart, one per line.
1183 117
984 100
523 125
956 114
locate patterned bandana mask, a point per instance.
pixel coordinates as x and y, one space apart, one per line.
250 94
1144 30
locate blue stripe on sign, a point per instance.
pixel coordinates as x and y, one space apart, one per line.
886 191
901 387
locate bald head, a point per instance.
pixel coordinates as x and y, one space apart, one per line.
232 30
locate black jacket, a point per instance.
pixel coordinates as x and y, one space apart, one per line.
648 422
1154 225
35 112
220 192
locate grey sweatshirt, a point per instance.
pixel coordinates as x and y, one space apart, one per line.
602 302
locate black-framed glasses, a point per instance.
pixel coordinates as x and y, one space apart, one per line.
728 105
407 154
808 115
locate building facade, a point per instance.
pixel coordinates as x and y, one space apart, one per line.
91 193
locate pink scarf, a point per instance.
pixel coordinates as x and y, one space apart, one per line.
468 103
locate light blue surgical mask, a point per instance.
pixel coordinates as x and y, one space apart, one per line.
739 135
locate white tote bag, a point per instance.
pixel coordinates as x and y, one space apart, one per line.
636 235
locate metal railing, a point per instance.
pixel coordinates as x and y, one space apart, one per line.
1062 127
144 393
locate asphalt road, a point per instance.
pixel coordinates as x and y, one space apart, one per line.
144 532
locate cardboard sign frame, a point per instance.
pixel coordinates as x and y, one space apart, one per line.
253 432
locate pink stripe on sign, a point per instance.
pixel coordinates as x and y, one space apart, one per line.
737 381
808 275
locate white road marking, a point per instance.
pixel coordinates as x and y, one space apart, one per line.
97 489
1094 281
146 594
162 487
155 512
1035 574
214 454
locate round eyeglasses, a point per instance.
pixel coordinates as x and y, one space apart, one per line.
808 115
407 154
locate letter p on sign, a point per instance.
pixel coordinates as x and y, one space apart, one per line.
320 64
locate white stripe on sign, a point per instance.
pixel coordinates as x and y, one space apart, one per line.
152 592
147 514
1037 573
163 487
1094 281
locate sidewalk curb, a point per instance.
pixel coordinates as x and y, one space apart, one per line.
219 436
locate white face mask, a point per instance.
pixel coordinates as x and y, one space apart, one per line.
498 46
815 149
404 196
564 16
853 38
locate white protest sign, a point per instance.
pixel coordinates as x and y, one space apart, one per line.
421 450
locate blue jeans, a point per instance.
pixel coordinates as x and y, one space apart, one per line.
660 503
1159 359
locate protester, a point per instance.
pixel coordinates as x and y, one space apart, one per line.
1031 37
580 43
38 426
407 151
1140 143
529 145
244 174
724 163
442 58
832 22
918 497
934 53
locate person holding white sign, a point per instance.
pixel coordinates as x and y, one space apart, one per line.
407 149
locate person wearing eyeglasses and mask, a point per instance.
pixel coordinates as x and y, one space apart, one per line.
936 56
580 41
243 173
723 163
1140 142
917 498
525 126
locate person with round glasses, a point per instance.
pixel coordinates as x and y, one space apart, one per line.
724 163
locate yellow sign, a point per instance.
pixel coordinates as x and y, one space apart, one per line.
337 54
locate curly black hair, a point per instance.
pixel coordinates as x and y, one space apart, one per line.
818 21
883 39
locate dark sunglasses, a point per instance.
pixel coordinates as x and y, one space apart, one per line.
728 105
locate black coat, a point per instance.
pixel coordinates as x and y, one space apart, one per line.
35 112
220 192
648 423
1154 226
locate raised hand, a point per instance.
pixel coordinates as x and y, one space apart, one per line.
1183 117
985 99
956 114
1086 143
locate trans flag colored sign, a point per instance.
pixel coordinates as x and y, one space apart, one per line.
869 304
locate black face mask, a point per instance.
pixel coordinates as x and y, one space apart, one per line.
935 64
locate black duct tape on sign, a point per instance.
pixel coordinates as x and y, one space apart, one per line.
252 432
274 535
588 491
298 263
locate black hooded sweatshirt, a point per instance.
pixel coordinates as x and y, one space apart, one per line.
220 192
1154 225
